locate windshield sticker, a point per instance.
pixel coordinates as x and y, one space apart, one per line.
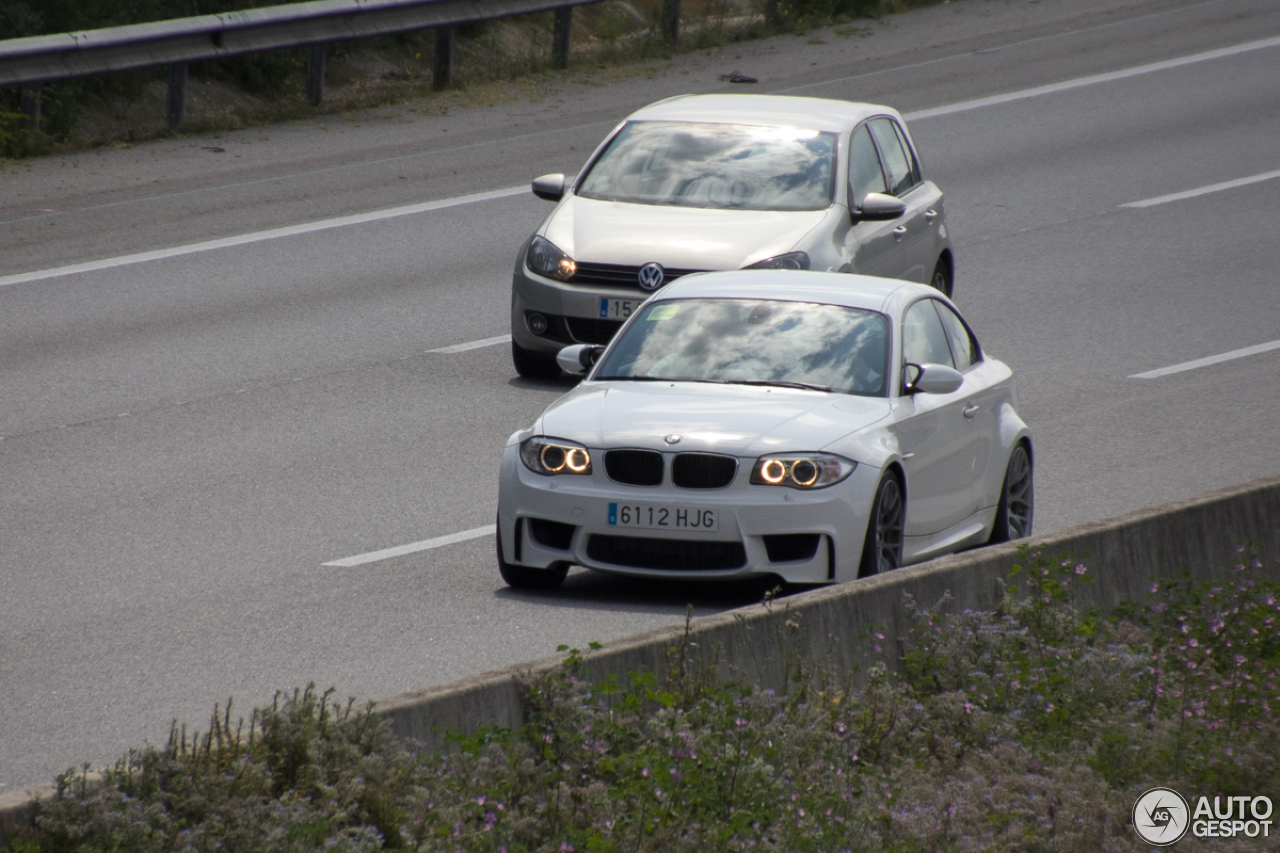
663 312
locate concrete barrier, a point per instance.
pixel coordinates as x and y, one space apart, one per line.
1197 536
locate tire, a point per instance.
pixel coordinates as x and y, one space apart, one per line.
1016 511
882 546
941 278
530 365
523 577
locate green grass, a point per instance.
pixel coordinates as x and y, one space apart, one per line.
1029 728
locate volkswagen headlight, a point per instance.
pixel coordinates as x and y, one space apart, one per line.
801 470
789 261
543 455
546 259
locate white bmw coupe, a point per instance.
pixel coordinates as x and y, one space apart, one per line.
817 427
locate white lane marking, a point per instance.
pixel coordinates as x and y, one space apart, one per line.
996 49
1205 362
1211 188
485 342
376 215
414 547
260 236
1094 79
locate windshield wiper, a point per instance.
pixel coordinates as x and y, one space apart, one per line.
660 379
778 383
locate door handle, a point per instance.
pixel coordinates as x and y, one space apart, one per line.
900 231
971 410
930 214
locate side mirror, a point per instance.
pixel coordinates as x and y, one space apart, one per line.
579 358
550 187
876 207
933 379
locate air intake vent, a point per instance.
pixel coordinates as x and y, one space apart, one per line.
551 534
669 554
586 330
703 470
791 547
634 467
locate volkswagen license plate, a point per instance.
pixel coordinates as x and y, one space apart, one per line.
618 309
660 517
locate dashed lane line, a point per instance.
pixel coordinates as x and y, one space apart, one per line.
260 236
1205 362
1211 188
414 547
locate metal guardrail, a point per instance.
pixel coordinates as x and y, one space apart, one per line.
31 61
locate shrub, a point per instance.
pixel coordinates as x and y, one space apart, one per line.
1029 728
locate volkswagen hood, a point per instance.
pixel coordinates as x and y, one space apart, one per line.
690 238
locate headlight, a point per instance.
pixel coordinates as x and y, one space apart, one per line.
801 470
789 261
554 456
545 258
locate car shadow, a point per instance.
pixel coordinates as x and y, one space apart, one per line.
600 591
562 383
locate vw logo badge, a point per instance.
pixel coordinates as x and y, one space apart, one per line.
651 276
672 439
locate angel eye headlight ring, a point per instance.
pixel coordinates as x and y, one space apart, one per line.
577 460
801 470
772 471
551 456
804 472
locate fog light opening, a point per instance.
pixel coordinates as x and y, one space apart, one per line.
537 324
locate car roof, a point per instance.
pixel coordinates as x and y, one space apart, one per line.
887 295
823 114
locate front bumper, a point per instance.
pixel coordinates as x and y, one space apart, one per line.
801 537
575 312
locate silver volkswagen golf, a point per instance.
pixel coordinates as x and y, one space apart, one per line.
719 182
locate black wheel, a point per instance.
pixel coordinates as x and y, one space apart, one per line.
532 365
1017 505
882 547
941 278
523 577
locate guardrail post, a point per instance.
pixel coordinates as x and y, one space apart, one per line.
30 99
671 21
560 37
442 66
176 100
773 13
316 54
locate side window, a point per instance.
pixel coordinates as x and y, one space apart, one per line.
865 175
963 343
910 155
923 339
898 166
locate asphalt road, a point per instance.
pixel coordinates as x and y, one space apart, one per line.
186 441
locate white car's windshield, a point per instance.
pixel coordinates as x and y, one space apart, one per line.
827 347
715 165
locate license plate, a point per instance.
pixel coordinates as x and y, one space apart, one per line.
618 309
659 517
